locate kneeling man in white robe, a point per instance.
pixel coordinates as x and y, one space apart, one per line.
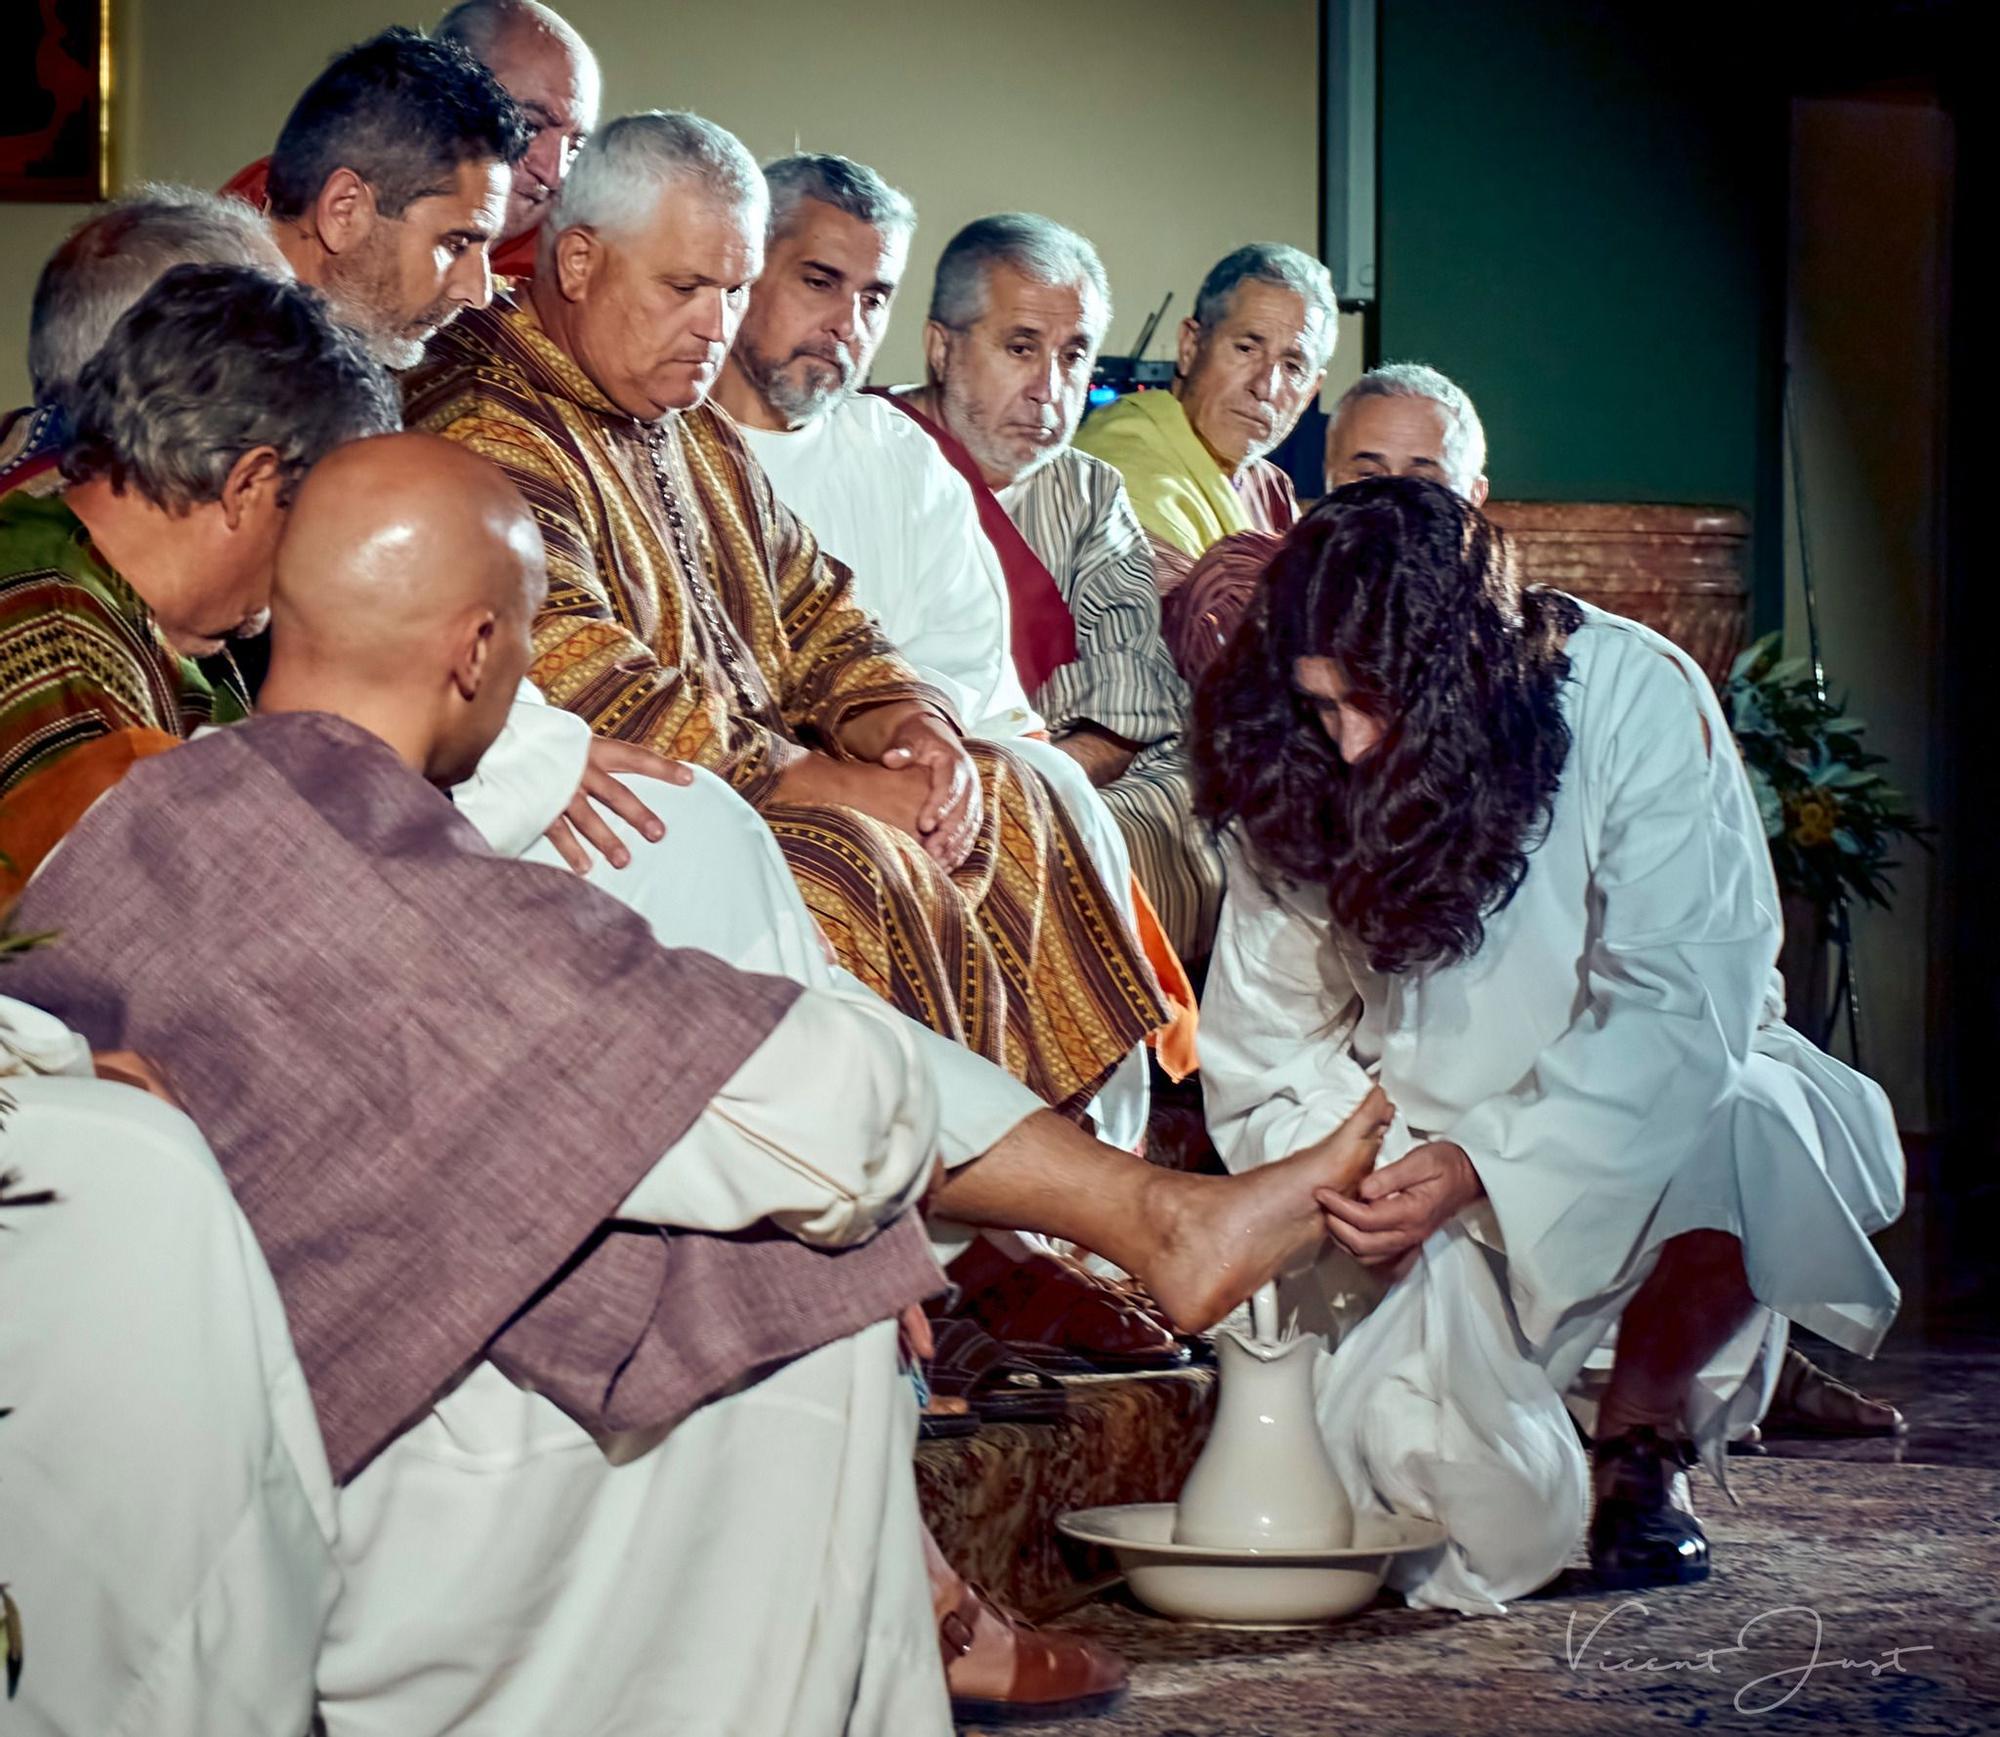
1495 849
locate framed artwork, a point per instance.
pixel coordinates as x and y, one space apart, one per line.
55 100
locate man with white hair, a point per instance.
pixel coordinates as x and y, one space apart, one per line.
1401 419
101 268
1251 358
692 613
1407 419
1018 309
549 70
884 502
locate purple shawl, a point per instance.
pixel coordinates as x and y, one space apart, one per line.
430 1073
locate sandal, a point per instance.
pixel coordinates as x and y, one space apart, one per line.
972 1367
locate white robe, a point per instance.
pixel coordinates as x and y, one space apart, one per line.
885 503
492 1571
1615 1063
498 1518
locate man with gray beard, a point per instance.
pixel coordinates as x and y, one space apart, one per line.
1018 309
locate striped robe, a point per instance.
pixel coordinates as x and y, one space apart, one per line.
87 681
1019 953
1075 515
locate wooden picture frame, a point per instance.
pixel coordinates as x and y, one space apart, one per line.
55 101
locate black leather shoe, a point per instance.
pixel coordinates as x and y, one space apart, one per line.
1644 1532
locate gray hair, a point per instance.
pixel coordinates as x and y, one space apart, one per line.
1275 263
211 363
1464 453
111 259
618 177
840 182
1039 248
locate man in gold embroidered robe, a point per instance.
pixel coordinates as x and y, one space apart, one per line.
690 612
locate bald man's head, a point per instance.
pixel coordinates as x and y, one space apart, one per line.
408 578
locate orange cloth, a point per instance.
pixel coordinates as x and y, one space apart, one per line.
38 811
1174 1042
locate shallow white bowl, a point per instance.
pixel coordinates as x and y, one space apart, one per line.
1200 1583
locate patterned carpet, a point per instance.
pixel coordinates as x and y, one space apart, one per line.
1868 1558
1864 1547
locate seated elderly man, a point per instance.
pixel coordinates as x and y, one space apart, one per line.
103 266
160 548
548 69
690 612
1401 419
1018 309
1251 357
883 502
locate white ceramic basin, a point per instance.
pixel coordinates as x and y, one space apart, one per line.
1200 1583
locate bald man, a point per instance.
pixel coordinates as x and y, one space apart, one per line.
406 578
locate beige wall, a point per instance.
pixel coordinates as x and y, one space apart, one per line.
1165 130
1870 217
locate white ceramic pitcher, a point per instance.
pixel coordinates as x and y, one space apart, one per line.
1264 1478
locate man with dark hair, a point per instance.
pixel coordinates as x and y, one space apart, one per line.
548 69
193 427
389 185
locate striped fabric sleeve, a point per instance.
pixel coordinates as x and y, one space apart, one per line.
589 659
1123 678
836 662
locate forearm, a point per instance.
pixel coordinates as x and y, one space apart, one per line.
1105 758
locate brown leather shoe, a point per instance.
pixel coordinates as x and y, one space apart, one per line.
1809 1402
1002 1670
1045 1302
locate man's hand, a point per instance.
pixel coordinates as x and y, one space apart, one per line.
580 823
953 807
1395 1209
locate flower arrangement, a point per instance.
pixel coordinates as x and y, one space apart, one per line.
1831 818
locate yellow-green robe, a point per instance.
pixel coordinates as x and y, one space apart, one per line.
1019 953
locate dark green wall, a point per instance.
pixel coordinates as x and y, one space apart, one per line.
1583 221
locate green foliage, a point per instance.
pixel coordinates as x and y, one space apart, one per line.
1831 818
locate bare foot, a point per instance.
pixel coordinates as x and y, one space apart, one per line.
1220 1237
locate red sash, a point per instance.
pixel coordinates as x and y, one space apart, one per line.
1044 632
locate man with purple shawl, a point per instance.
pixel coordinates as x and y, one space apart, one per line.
372 1018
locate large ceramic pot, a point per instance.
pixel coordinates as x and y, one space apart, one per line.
1680 570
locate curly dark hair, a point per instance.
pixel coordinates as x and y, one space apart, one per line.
401 110
212 362
1414 595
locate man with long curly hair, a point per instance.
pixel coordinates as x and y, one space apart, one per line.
1492 846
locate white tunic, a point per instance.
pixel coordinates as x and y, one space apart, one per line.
885 503
1615 1063
492 1570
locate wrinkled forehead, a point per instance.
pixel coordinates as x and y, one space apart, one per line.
1397 424
1056 311
691 236
1277 315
